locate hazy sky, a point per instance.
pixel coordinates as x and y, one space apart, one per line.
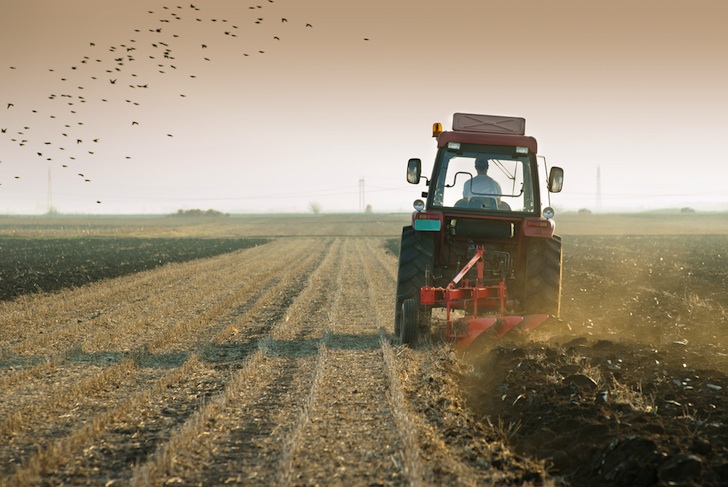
636 88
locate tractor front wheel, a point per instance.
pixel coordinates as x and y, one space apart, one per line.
409 325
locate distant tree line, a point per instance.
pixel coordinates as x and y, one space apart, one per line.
197 212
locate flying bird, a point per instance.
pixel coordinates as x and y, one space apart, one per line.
10 105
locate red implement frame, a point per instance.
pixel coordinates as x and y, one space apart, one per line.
477 296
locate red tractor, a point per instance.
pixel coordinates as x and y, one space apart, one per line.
481 247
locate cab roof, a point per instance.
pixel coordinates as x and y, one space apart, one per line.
488 139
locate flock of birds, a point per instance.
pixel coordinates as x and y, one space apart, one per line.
112 75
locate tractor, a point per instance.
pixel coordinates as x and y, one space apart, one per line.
481 248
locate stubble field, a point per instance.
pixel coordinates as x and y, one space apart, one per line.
272 362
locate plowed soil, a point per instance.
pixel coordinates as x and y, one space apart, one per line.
275 365
630 388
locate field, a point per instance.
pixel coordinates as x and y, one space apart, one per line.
257 350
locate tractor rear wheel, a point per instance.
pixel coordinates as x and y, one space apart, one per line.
409 326
542 293
416 259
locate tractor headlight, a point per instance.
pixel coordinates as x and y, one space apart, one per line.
548 212
419 205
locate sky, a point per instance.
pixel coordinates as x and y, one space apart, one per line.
152 106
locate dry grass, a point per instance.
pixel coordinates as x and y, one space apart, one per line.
63 397
637 400
291 443
412 468
188 448
57 452
191 443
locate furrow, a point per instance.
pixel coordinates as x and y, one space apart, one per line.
32 310
203 381
388 264
380 292
351 434
237 436
56 454
442 462
75 362
56 330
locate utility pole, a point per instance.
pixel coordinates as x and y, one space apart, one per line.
362 202
599 189
50 193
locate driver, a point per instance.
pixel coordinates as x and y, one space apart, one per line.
482 184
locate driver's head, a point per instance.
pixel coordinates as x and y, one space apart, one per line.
481 164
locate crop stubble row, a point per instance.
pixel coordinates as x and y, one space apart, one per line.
55 458
149 368
269 365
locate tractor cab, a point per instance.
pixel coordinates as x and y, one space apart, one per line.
486 165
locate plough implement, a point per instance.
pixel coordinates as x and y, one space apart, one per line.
476 298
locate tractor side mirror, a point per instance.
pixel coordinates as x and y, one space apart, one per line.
414 170
556 179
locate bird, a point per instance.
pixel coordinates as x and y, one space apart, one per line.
309 25
10 105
